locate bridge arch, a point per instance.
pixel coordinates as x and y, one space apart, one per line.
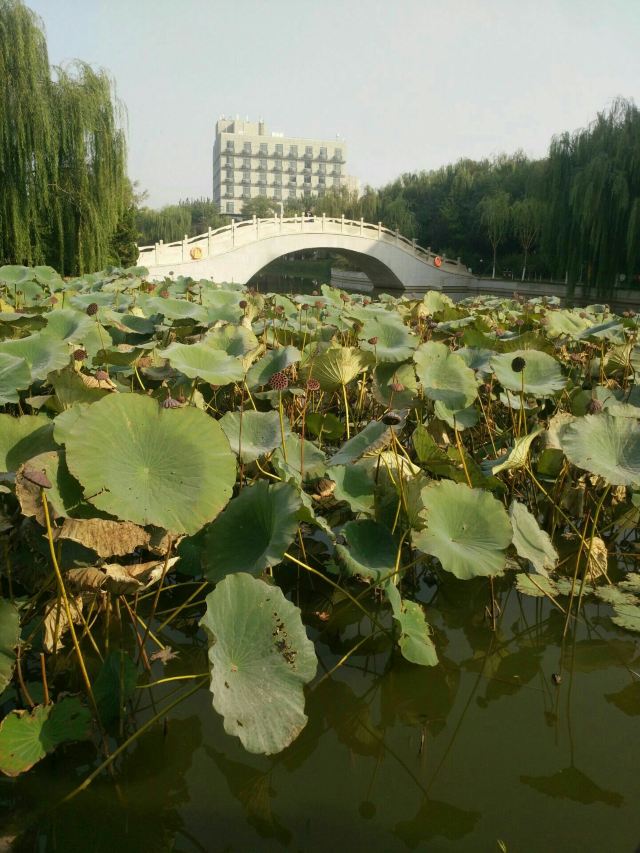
240 250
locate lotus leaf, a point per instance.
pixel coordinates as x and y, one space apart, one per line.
375 436
541 374
271 362
467 529
67 324
172 468
303 458
260 660
444 375
234 340
26 738
394 342
605 445
354 484
15 376
23 437
370 550
415 640
9 638
538 586
326 425
43 354
531 542
515 458
253 532
202 362
339 366
252 434
114 685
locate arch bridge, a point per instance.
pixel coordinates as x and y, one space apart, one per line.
236 252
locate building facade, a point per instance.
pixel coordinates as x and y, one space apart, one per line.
248 161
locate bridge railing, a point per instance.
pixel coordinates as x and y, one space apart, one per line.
228 237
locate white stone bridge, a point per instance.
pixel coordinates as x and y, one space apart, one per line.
238 251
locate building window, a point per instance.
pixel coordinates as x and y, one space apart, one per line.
277 180
277 193
336 170
262 191
230 147
229 162
307 179
247 148
320 192
321 180
246 163
336 182
338 154
307 164
308 151
322 169
229 207
229 174
277 167
293 151
307 193
263 147
263 164
292 193
246 192
279 149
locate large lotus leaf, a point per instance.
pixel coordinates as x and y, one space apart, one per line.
23 437
370 549
386 375
444 375
605 445
43 354
14 274
15 376
234 340
65 421
304 459
617 403
252 434
531 542
415 640
173 309
458 419
434 301
67 324
395 343
339 366
203 362
253 532
324 424
355 484
9 637
477 358
261 658
374 436
566 322
73 387
540 376
271 362
172 468
467 529
222 305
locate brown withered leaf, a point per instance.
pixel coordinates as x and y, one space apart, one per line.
56 623
38 476
86 579
598 559
164 655
111 538
122 580
92 382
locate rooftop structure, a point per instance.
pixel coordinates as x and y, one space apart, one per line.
248 161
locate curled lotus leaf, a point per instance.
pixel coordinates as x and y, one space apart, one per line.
541 374
370 550
530 541
253 532
467 529
260 658
171 468
43 354
445 376
605 445
339 366
416 643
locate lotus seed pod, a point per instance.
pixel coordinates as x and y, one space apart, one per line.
313 385
373 341
594 407
79 354
92 309
243 304
279 381
518 364
305 307
101 375
319 303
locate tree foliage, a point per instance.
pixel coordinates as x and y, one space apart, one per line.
65 190
172 222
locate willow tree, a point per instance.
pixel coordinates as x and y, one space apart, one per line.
528 217
63 174
495 215
594 199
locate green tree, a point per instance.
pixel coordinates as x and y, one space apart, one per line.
62 153
260 206
528 219
495 215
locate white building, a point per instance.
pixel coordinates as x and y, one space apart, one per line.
248 161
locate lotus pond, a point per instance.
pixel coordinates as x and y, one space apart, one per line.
296 571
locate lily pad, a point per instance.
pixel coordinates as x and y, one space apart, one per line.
540 374
445 376
531 542
370 550
253 532
202 362
253 434
172 468
467 529
605 445
261 658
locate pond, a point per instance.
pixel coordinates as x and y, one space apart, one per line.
487 748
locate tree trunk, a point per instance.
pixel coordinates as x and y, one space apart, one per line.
495 252
524 265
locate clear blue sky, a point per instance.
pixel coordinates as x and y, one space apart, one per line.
410 84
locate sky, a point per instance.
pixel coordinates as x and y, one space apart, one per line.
410 84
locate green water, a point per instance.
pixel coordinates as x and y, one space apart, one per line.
395 757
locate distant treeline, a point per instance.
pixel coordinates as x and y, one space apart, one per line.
189 216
